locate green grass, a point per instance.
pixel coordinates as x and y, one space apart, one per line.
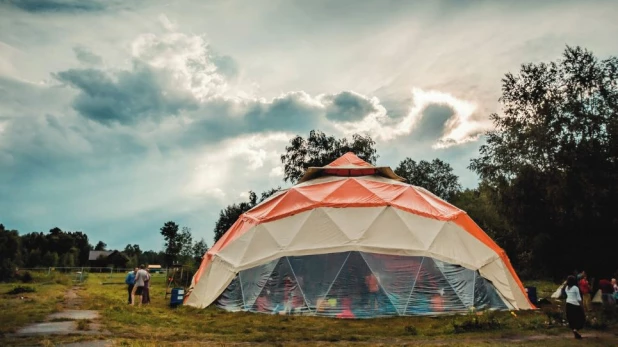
157 324
17 310
83 324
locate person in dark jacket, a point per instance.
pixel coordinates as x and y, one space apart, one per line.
130 281
146 291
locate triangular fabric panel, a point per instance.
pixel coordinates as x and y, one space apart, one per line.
395 274
231 299
349 159
353 193
316 274
281 294
263 210
442 206
253 280
235 250
423 228
262 246
460 279
284 230
399 235
386 191
485 294
411 200
291 201
318 192
318 232
354 221
452 244
432 293
355 292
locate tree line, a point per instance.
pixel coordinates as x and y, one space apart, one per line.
60 248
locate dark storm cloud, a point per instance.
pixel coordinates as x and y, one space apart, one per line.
431 125
222 118
45 6
85 56
348 107
125 99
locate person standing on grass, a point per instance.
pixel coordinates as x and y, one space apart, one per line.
607 293
574 309
146 292
130 281
138 289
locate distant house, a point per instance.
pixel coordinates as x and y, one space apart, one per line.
94 255
107 259
154 268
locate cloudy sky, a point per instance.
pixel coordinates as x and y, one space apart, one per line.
117 116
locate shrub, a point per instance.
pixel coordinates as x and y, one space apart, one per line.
476 323
555 315
598 323
21 289
83 324
535 323
411 330
26 277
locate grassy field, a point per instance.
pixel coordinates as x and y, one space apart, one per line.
156 324
17 310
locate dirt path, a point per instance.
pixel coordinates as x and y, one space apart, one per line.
70 321
594 337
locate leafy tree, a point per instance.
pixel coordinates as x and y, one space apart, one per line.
34 258
9 252
435 176
267 194
553 160
132 250
319 150
152 257
50 259
186 243
101 246
229 215
199 249
172 241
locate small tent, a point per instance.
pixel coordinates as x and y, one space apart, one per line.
352 240
556 294
598 297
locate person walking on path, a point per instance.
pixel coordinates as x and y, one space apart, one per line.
146 292
130 281
574 309
138 289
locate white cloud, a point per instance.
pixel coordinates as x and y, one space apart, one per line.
167 24
277 171
185 58
234 162
459 129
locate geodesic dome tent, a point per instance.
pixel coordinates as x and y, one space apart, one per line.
352 240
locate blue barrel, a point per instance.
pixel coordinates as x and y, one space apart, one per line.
532 295
178 296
